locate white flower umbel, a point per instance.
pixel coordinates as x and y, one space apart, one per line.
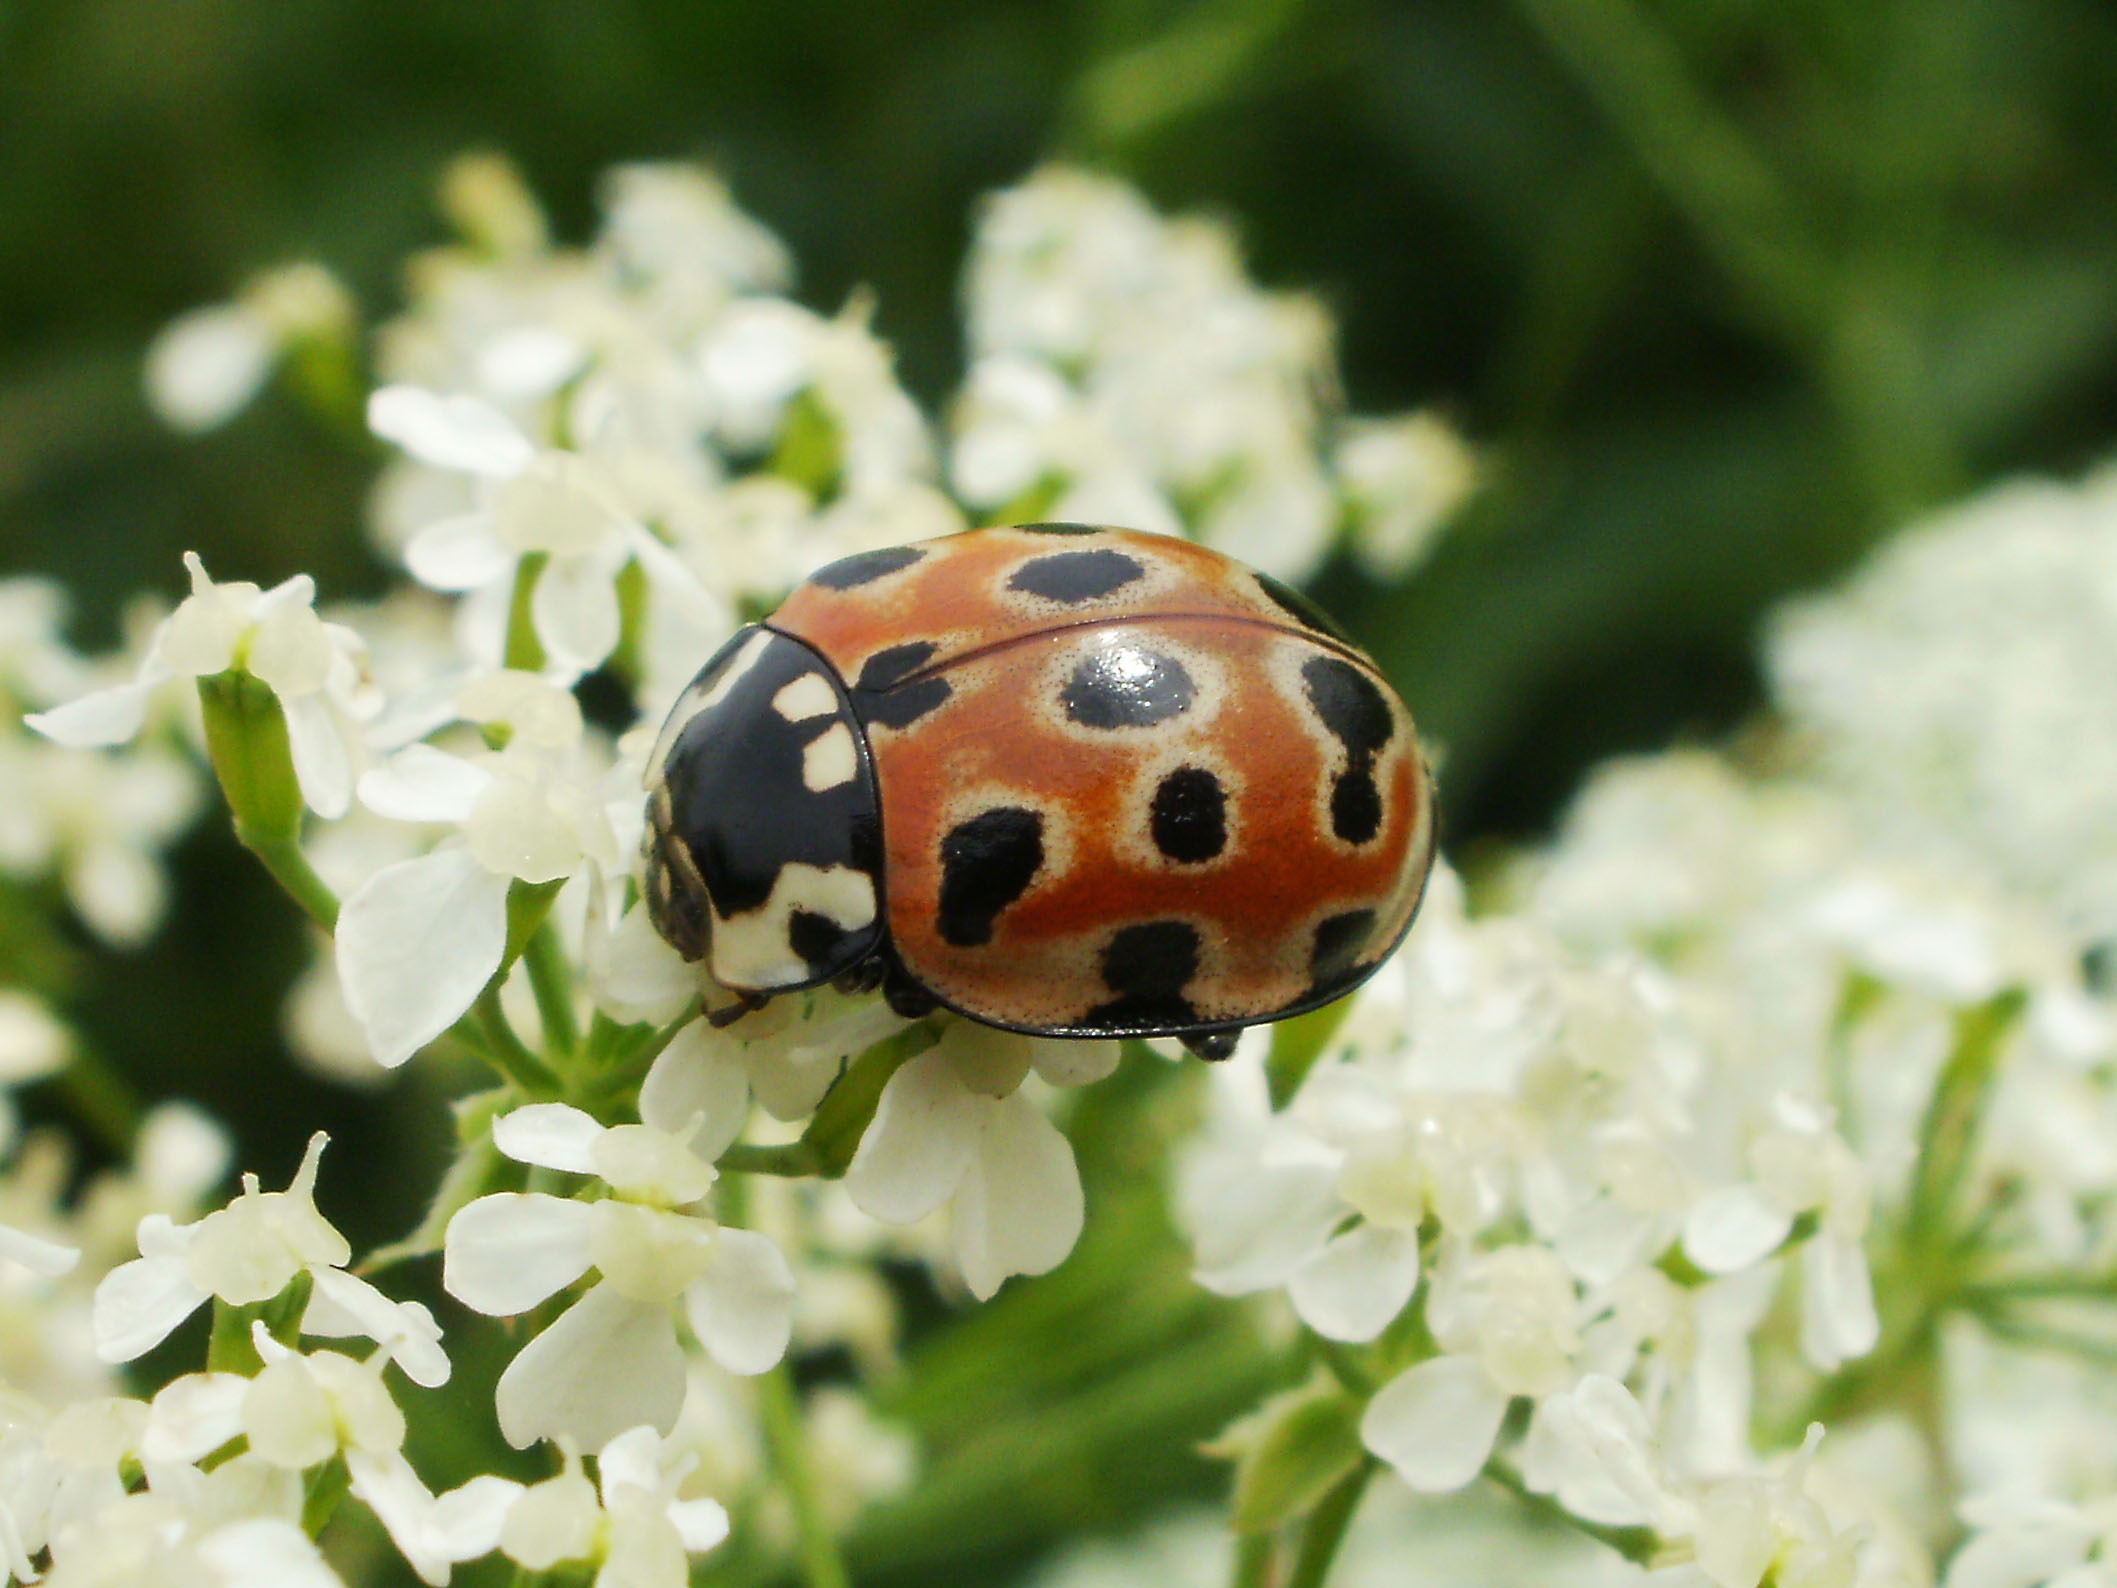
418 941
313 667
613 1360
955 1125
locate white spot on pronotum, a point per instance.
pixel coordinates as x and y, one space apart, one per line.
696 699
751 950
808 696
830 760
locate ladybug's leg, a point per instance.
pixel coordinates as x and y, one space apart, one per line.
864 977
1212 1045
904 996
727 1014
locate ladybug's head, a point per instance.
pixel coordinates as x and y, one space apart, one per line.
763 848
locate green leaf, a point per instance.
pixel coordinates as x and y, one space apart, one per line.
1304 1444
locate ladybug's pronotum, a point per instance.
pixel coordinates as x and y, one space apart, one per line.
1068 781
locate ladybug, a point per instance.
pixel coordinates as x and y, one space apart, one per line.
1068 781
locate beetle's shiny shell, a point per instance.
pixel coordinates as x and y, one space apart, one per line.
1127 785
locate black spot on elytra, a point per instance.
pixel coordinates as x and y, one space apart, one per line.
740 810
1148 966
900 708
1060 529
887 669
882 698
1073 576
986 862
1332 958
1127 686
1189 815
1298 607
865 567
1350 705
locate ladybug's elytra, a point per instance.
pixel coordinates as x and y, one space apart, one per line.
1068 781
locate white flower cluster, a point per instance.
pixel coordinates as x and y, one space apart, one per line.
1963 691
97 822
1752 1100
1124 371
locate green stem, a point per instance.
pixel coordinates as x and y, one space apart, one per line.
523 650
1255 1556
795 1161
1327 1525
788 1443
290 868
551 980
506 1051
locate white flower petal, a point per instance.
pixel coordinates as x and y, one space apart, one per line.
1436 1423
1733 1227
1073 1061
422 784
36 1254
204 367
106 717
459 553
551 1135
1838 1318
675 583
322 766
265 1552
635 1458
701 1524
1357 1283
416 945
138 1303
607 1364
742 1310
505 1253
344 1304
918 1144
194 1416
575 613
699 1075
1018 1209
449 432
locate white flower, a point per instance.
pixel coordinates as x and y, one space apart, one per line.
954 1124
249 1252
636 1530
612 1360
314 667
417 942
1801 1166
559 506
1592 1449
301 1410
1507 1321
1403 478
433 1532
205 366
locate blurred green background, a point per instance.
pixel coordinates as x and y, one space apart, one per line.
1724 289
